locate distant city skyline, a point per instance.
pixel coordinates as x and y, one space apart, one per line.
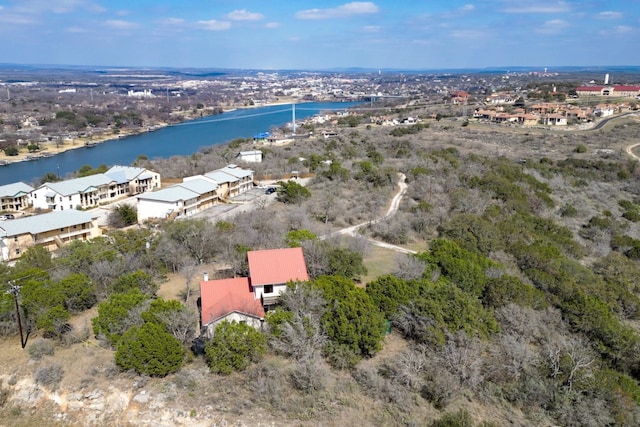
316 35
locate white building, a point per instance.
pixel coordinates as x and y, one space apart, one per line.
94 190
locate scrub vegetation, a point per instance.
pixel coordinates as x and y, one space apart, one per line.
519 306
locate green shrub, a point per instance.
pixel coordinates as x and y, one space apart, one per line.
149 350
234 347
508 289
456 419
113 315
569 211
351 318
291 192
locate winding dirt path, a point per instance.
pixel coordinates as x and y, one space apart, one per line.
393 208
630 152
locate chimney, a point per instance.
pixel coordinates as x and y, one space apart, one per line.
205 277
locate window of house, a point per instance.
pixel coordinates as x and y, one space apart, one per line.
17 251
268 289
15 239
69 197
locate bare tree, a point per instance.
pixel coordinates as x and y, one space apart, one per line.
302 337
409 267
462 355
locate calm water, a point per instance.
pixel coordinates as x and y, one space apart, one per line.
179 140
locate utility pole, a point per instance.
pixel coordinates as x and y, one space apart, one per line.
15 291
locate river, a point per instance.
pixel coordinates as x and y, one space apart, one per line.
177 140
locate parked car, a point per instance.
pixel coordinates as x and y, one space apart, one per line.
6 216
270 190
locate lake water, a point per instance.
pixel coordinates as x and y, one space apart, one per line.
177 140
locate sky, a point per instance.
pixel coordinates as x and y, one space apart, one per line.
321 35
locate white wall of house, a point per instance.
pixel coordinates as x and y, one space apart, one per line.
258 291
155 209
233 316
58 202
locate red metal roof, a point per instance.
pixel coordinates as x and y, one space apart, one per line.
276 266
222 297
627 88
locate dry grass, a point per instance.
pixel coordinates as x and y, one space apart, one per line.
378 261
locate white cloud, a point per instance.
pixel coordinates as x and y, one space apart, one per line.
346 10
119 24
623 29
468 34
526 6
553 26
371 28
272 25
174 21
77 30
244 15
57 6
15 19
467 8
608 14
214 25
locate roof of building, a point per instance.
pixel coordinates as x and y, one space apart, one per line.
45 222
236 171
130 172
15 190
221 177
200 186
79 185
222 297
171 194
276 266
627 88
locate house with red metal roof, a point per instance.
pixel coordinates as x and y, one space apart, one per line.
228 300
616 90
270 270
243 298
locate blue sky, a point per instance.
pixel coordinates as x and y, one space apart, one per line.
304 34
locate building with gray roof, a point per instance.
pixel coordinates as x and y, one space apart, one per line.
15 197
50 230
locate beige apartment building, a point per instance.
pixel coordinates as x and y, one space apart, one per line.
50 230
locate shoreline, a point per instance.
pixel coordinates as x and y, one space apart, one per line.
52 149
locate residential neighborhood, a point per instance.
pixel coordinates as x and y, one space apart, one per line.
39 212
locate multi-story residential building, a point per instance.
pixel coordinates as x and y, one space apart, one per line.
50 230
94 190
194 194
15 197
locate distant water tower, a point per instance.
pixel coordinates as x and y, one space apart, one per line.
606 79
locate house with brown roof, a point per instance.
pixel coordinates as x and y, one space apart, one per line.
228 300
270 270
